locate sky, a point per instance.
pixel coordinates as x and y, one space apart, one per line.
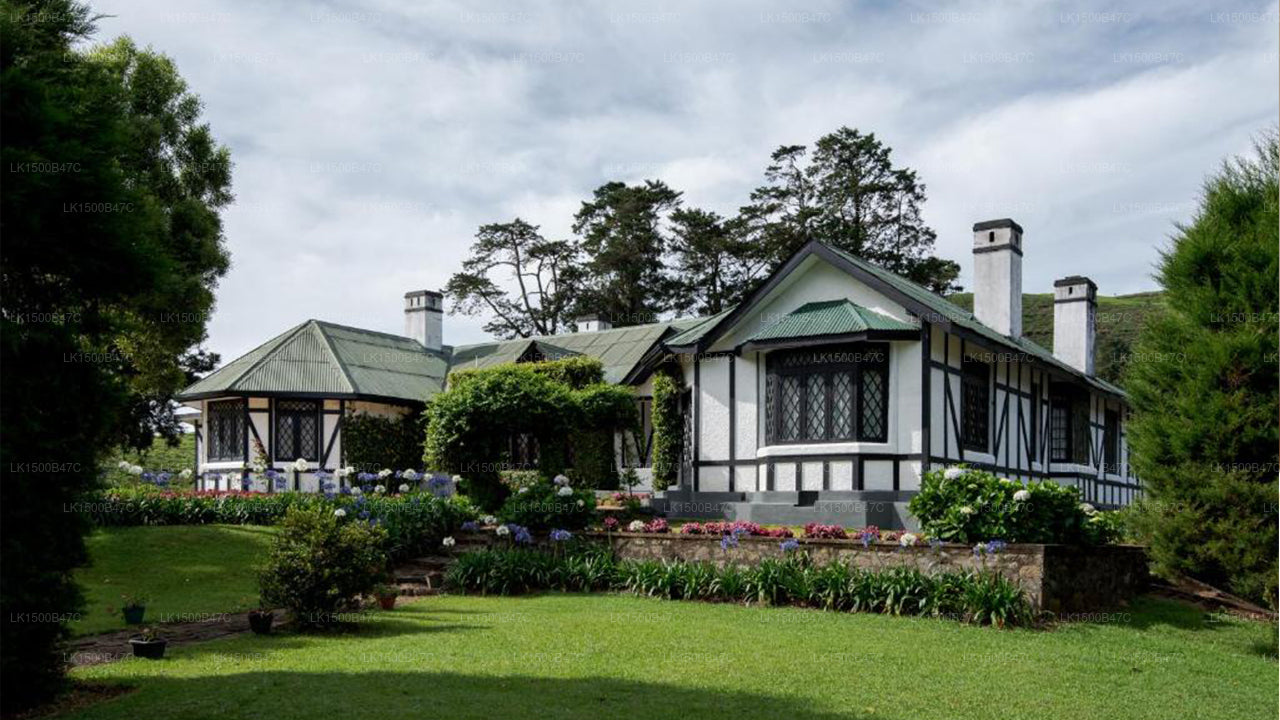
371 139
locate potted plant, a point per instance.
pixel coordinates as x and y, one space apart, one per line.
148 644
386 594
260 619
135 606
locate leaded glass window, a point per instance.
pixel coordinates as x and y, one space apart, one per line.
975 405
836 393
297 430
226 427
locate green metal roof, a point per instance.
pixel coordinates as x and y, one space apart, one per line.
321 358
696 329
829 317
619 349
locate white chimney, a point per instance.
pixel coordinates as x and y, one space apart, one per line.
1075 305
424 318
997 276
592 322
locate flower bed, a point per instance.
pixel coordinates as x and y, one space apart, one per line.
977 596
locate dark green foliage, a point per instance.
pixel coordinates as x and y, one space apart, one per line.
564 404
112 246
1120 319
160 456
668 431
1204 434
373 442
976 506
620 230
983 597
713 262
540 507
320 564
849 194
470 427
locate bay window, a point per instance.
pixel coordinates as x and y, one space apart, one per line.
828 394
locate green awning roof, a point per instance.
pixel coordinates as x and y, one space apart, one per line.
827 318
320 358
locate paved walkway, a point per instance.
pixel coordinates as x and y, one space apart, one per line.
109 647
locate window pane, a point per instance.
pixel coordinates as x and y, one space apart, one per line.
226 430
842 406
297 430
1059 432
817 408
770 408
875 386
975 407
789 407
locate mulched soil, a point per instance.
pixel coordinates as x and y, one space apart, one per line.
109 647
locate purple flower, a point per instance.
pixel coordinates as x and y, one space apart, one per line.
789 545
729 541
520 534
470 526
560 535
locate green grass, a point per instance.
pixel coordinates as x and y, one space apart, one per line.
160 456
1120 319
613 656
187 569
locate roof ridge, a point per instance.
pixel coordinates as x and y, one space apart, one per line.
333 353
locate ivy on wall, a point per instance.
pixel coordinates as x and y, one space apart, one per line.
373 442
668 431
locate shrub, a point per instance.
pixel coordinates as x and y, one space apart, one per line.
321 563
966 506
542 507
737 527
372 442
668 431
1204 433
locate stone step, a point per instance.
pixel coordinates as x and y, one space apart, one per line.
416 589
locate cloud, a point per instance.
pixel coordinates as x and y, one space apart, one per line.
371 139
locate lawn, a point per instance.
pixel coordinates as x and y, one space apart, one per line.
613 656
184 570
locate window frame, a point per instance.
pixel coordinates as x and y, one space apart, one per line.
217 412
975 374
277 415
1069 416
826 364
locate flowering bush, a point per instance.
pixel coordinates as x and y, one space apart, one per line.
657 525
963 505
825 532
736 528
546 505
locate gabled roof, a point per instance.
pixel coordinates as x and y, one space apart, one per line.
323 359
826 319
619 349
915 298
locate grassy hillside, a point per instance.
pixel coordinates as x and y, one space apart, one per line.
1120 318
160 456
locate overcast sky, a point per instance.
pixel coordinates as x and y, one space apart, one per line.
370 139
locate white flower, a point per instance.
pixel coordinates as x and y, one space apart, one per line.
457 479
135 469
1022 496
952 473
503 531
581 503
966 510
379 488
408 473
384 473
356 491
448 542
1088 509
300 465
907 540
636 526
123 465
186 472
488 520
340 513
564 491
522 491
560 480
346 471
404 487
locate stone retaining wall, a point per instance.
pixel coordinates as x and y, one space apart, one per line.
1056 578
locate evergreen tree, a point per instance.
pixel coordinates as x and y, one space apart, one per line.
112 245
623 231
851 196
1204 388
712 269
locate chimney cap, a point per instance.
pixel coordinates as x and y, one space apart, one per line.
587 317
996 225
420 293
1075 280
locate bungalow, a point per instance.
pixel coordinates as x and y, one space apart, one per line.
824 396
